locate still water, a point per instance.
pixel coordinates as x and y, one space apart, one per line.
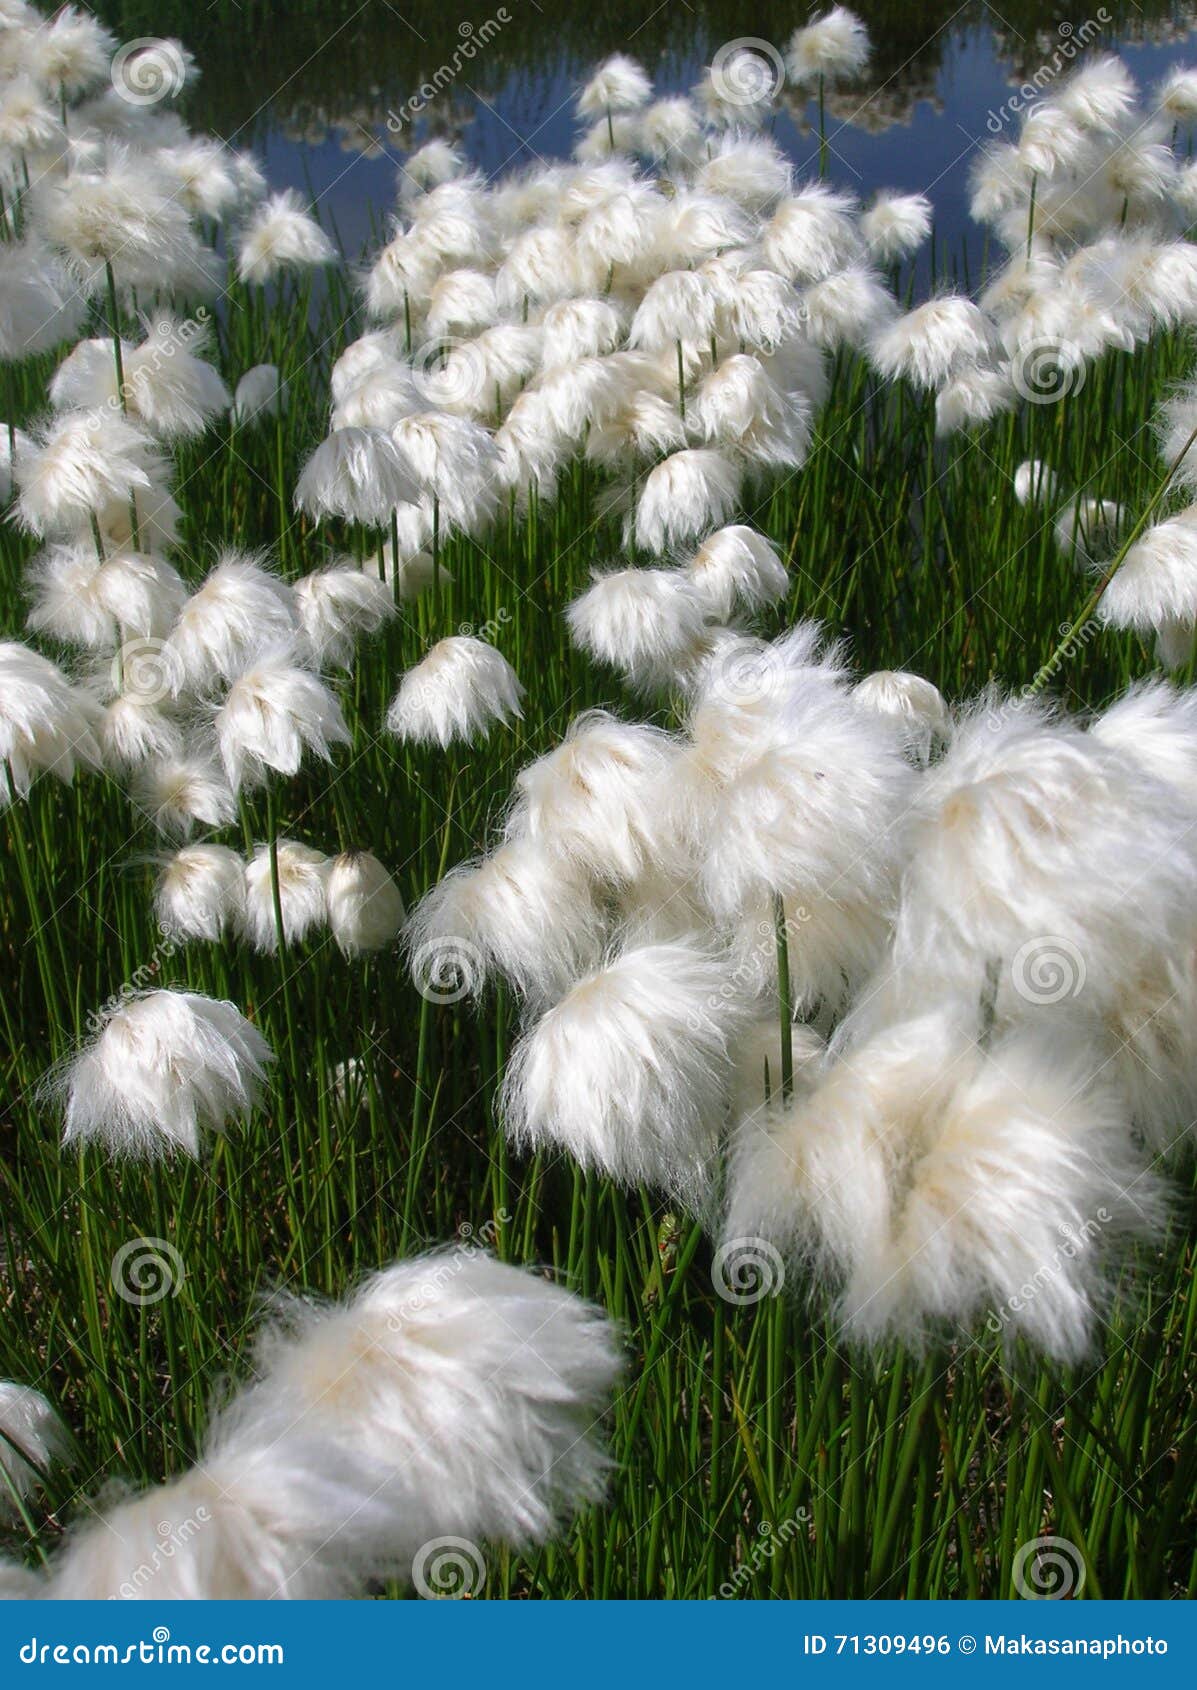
324 90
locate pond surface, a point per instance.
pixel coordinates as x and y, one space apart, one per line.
324 90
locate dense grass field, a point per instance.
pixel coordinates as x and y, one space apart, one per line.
756 1454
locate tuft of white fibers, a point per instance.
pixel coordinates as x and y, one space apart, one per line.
1099 96
747 169
339 606
134 730
914 703
596 798
302 892
32 1438
165 1068
834 45
678 306
685 494
453 460
1155 725
845 309
77 599
974 394
178 791
78 464
647 623
200 893
1176 95
630 1071
618 85
462 302
127 213
365 907
757 1089
241 606
581 328
47 725
1087 527
1035 483
670 132
736 568
280 235
895 225
1035 848
926 345
429 167
1156 583
525 911
1050 142
811 235
738 406
757 307
457 692
169 389
272 713
464 1396
39 306
356 473
256 396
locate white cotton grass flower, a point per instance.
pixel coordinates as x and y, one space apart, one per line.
895 225
337 607
169 389
240 607
76 465
580 328
39 307
458 691
47 725
685 494
670 132
596 797
738 406
1050 141
618 85
747 169
525 912
678 306
32 1440
454 461
365 907
257 395
832 47
847 308
135 730
438 161
272 713
462 302
28 122
649 624
200 893
126 214
629 1071
973 395
914 703
1099 96
1176 96
180 790
279 235
811 235
1154 589
302 893
70 52
1035 483
356 473
737 569
77 599
165 1068
925 346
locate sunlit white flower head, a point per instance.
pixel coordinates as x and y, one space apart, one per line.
629 1072
39 306
1154 589
454 461
688 492
670 131
430 166
176 792
208 174
356 473
811 235
746 168
70 52
257 394
927 344
1050 142
647 623
618 85
973 394
737 405
895 225
32 1439
834 45
526 912
76 465
165 1068
915 703
339 606
580 328
302 888
272 713
127 214
1100 96
168 389
200 892
365 908
1035 483
847 308
457 692
737 569
281 235
241 607
46 724
1176 95
679 305
28 121
135 730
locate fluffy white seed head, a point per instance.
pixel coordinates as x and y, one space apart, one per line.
833 46
457 692
687 493
365 907
302 891
914 703
32 1438
339 606
648 623
895 225
200 892
358 474
280 235
272 713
